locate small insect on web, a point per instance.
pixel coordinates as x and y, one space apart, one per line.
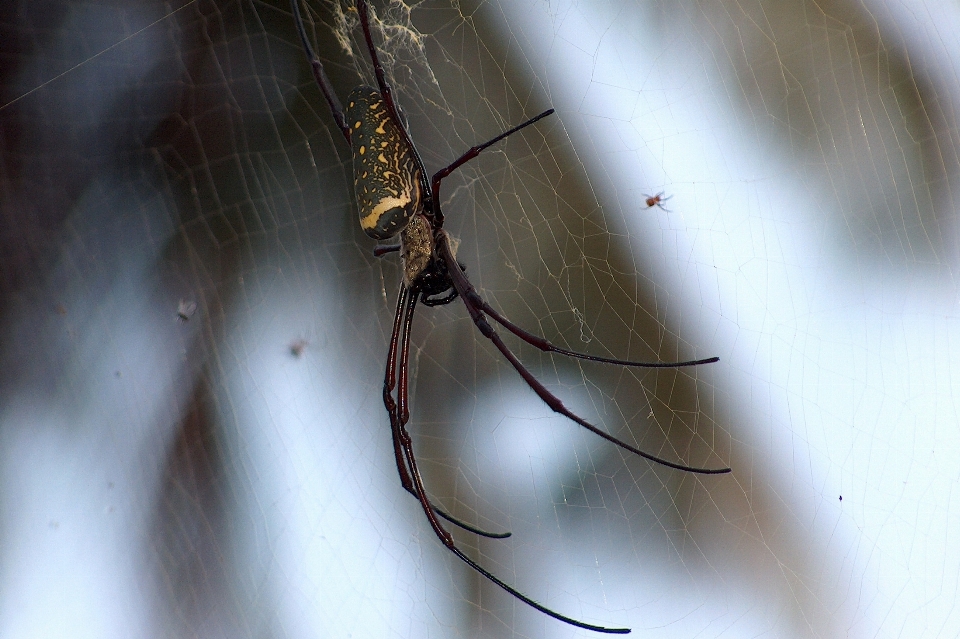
394 198
185 310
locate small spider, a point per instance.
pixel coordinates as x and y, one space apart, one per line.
394 197
657 201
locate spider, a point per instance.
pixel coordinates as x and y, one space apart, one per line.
394 198
656 201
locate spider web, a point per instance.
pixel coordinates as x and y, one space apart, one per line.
192 436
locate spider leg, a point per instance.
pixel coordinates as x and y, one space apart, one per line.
383 249
471 153
387 91
661 206
400 342
546 346
476 314
462 524
530 602
319 74
402 414
389 383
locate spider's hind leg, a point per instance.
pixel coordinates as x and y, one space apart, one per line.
383 249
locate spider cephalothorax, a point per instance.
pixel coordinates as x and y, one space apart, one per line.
394 199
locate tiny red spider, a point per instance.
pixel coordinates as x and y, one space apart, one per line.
656 200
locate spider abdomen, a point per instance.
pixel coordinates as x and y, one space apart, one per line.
386 179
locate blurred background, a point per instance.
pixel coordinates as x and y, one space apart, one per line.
194 328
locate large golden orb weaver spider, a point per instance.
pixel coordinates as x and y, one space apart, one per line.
393 198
